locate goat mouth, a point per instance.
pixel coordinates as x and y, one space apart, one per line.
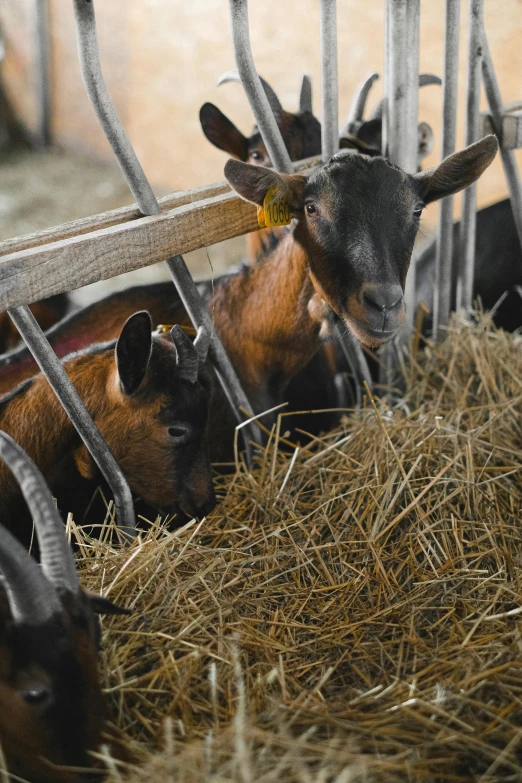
372 338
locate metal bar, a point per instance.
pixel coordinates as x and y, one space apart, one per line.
200 316
444 238
329 81
329 146
77 412
355 359
97 91
411 138
147 202
401 135
466 267
508 156
263 114
42 136
386 80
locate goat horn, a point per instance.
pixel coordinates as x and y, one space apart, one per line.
356 111
32 599
187 358
424 80
202 343
273 100
57 560
305 94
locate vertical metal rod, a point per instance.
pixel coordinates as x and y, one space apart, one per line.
200 316
148 204
263 114
329 81
386 80
400 130
508 156
42 136
329 146
411 137
465 272
97 91
444 238
61 384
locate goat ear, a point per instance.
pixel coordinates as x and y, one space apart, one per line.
133 351
102 605
370 133
426 139
457 171
253 182
222 133
352 142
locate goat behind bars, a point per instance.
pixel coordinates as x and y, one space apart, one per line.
148 394
52 710
349 248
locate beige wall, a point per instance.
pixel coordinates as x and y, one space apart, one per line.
161 59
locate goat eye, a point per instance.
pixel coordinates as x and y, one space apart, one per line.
417 212
256 155
36 697
179 434
311 209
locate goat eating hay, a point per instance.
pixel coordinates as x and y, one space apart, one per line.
360 623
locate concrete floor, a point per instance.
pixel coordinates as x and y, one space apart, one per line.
43 189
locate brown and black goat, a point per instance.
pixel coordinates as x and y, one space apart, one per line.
148 393
52 709
349 248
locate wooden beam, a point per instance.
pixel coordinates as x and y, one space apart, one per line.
102 246
38 272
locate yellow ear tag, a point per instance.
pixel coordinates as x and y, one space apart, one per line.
261 217
276 211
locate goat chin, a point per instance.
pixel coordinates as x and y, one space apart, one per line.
368 337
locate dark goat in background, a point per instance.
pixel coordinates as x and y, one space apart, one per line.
148 394
52 710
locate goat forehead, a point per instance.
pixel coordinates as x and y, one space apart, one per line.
351 176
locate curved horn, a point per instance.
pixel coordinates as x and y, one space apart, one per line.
57 560
356 111
305 94
424 80
187 358
32 599
202 343
273 100
429 78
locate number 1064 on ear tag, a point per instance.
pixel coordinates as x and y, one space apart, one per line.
275 211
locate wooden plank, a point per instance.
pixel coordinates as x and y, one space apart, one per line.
106 219
122 215
37 272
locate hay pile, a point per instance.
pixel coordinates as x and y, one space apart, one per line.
361 622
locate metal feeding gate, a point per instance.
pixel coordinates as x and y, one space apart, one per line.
58 260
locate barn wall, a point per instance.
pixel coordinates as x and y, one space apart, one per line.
161 59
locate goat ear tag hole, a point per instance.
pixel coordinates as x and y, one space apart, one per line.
274 212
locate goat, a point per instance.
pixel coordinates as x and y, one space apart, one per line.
52 709
149 396
349 248
47 313
498 254
498 266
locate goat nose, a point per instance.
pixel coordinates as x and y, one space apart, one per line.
383 297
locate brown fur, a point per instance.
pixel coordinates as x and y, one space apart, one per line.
134 426
47 313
